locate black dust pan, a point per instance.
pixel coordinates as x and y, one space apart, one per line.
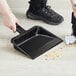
34 41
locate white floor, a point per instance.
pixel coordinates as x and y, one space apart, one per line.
59 61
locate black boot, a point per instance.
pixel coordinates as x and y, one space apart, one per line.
73 21
38 10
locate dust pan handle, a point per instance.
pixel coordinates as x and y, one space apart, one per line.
19 29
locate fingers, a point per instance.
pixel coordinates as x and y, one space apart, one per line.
11 22
13 27
75 14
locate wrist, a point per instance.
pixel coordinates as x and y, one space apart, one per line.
7 14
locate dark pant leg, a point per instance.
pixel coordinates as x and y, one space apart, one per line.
38 1
37 4
73 24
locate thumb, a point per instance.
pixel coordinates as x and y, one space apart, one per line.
18 22
75 15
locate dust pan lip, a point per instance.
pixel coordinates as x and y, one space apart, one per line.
34 57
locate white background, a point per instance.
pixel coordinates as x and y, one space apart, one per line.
13 63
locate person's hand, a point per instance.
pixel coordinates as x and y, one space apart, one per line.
10 21
74 9
75 14
9 18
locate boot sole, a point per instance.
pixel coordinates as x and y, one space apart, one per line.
35 17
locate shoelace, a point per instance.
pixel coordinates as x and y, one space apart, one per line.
47 9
